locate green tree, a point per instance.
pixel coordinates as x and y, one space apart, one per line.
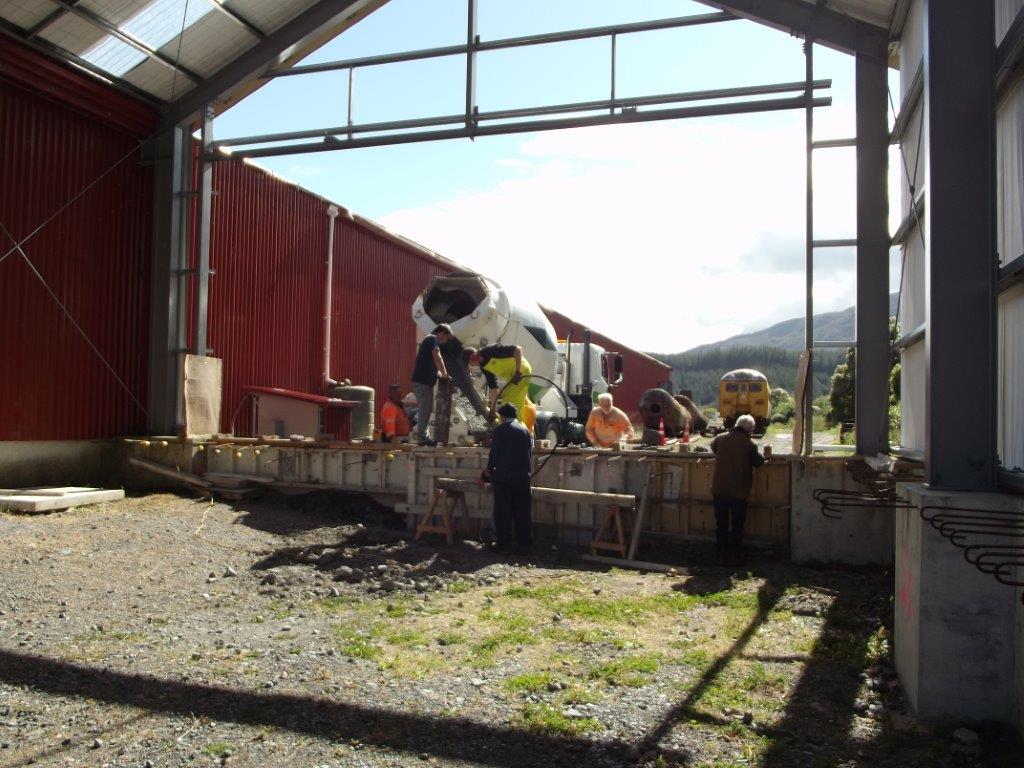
842 392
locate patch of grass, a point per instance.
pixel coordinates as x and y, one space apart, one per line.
256 619
485 650
414 666
698 658
578 694
356 644
633 671
725 694
850 648
531 682
545 594
545 719
339 604
451 638
406 637
576 636
218 748
761 680
459 586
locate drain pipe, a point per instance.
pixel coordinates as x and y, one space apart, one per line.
332 214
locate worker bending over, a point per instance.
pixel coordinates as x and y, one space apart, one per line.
607 424
506 371
394 423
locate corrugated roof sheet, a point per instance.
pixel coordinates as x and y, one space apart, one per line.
211 40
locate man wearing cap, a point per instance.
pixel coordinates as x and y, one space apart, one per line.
509 468
736 455
429 366
394 423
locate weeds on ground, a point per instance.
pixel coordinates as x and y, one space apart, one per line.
631 671
545 719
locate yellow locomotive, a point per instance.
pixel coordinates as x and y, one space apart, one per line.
744 391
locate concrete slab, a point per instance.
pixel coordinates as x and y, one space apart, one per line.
37 500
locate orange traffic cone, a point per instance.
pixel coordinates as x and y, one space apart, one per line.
686 433
661 432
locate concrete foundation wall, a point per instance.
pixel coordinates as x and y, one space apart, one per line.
24 463
958 631
1018 661
858 537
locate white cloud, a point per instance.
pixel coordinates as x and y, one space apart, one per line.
663 235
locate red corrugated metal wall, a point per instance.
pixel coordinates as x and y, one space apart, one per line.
269 247
640 372
95 255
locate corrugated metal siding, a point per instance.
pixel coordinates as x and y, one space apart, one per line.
640 372
95 255
268 247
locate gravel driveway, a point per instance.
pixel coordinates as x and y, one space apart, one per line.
170 631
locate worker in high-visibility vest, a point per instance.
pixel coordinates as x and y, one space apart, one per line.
506 371
394 423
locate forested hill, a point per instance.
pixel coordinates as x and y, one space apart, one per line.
775 351
789 334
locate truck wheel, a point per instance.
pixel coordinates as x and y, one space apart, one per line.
553 432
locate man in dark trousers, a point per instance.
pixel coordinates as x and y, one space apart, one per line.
509 467
429 366
736 455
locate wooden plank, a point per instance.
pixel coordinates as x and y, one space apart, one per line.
169 472
639 565
551 494
638 523
51 503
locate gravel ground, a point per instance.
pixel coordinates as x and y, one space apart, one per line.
308 631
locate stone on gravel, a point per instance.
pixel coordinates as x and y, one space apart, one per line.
965 736
96 744
229 572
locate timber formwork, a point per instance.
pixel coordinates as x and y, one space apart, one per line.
678 484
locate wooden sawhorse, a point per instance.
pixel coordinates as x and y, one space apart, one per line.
449 500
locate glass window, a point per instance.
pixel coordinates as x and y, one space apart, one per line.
732 388
755 387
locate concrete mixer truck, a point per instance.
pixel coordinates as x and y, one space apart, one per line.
480 312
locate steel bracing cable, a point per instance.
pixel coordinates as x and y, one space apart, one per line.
74 323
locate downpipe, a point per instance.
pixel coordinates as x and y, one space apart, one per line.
332 214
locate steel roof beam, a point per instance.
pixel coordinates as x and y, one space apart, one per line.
115 31
510 114
268 52
827 27
706 110
510 42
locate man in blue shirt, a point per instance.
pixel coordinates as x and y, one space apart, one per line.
509 469
429 366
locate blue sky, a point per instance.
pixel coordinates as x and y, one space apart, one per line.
663 235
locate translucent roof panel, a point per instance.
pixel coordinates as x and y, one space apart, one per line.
155 24
877 12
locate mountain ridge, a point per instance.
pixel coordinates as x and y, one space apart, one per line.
789 334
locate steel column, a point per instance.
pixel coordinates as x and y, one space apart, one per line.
202 282
168 282
961 263
808 403
471 41
872 390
